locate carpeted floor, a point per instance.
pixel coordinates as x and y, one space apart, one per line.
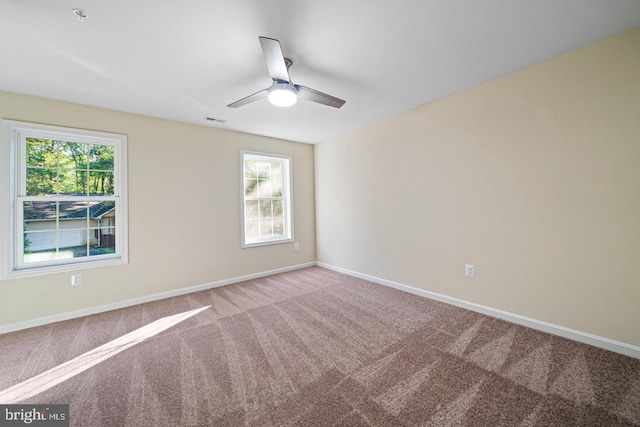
314 348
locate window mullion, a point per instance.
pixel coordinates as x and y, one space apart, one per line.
57 189
57 227
19 233
63 198
21 172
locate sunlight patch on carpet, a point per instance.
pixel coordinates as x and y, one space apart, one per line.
73 367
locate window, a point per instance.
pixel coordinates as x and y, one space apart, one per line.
67 198
267 211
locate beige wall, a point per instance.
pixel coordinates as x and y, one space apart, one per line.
184 211
533 177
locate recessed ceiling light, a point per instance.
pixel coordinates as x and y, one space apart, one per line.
81 14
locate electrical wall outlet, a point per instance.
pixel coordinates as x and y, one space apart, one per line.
296 246
76 279
469 270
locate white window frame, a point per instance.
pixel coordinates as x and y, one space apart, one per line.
287 196
13 136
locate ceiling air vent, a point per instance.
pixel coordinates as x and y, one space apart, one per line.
213 119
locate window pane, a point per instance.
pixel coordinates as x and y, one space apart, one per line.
250 186
74 213
251 229
265 228
72 181
41 152
44 213
101 157
278 209
276 171
264 188
39 240
26 241
276 188
100 182
74 240
265 209
250 170
251 211
47 255
103 243
55 245
278 227
100 210
41 182
264 170
72 155
105 239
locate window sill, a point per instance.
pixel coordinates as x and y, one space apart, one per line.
267 242
40 271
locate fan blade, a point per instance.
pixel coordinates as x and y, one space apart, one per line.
249 99
321 98
275 59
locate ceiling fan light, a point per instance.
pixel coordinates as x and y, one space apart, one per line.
283 96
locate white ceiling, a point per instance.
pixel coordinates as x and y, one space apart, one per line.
186 60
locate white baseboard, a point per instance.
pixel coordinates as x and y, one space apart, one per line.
597 341
572 334
135 301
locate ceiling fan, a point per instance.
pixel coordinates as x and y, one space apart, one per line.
283 92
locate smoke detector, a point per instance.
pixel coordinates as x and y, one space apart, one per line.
81 14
